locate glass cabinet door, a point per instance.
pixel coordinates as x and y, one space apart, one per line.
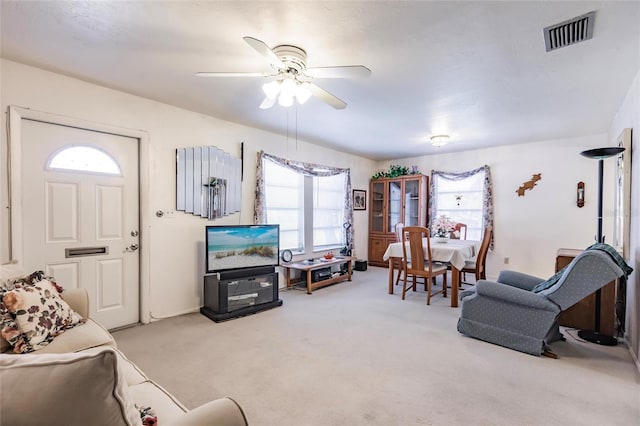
377 206
394 197
412 202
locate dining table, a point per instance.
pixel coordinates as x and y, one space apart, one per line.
453 252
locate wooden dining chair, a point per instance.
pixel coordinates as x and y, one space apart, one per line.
399 263
477 266
417 263
461 229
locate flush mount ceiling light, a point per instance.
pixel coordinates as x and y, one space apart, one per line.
439 140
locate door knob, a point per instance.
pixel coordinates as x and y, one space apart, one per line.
133 247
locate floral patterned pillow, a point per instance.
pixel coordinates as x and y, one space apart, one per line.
31 279
32 313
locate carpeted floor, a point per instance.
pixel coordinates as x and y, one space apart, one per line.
351 354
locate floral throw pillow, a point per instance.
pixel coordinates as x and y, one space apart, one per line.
32 279
32 314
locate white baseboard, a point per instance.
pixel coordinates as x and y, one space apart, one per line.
174 314
634 356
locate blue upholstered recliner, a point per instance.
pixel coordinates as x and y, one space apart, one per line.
520 311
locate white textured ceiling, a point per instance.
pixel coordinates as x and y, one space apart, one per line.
477 71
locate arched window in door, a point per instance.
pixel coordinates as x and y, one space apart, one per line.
84 159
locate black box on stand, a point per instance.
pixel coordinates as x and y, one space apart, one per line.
361 265
320 274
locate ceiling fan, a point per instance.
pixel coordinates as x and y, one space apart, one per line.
292 77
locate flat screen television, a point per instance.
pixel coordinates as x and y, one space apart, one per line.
241 246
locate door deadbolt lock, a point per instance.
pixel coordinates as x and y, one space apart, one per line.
134 233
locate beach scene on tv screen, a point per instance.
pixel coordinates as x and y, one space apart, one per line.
242 247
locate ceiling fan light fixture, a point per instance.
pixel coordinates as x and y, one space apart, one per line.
439 140
267 103
288 88
271 89
285 101
302 93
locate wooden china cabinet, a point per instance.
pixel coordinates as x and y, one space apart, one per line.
401 199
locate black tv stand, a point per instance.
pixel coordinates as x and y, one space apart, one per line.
240 292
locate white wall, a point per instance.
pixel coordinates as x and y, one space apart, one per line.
530 229
629 116
176 245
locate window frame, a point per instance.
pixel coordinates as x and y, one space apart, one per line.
301 218
309 171
476 232
316 248
487 196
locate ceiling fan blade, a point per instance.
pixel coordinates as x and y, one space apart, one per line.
267 103
231 74
349 71
265 51
326 97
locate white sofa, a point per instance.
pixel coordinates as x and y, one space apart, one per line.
82 378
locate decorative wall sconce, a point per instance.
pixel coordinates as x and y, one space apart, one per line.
580 194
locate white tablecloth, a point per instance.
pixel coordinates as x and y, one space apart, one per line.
453 251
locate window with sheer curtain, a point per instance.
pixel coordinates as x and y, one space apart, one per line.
465 197
310 203
461 201
284 202
328 212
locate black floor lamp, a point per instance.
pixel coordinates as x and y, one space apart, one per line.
599 154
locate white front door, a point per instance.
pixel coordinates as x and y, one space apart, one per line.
81 220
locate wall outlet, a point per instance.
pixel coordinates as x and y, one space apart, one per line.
506 260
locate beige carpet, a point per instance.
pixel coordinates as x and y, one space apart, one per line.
351 354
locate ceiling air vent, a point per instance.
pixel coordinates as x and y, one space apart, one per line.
569 32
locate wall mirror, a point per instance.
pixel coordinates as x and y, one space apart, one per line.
208 182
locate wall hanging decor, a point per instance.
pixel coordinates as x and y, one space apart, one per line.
208 182
359 199
528 184
580 194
